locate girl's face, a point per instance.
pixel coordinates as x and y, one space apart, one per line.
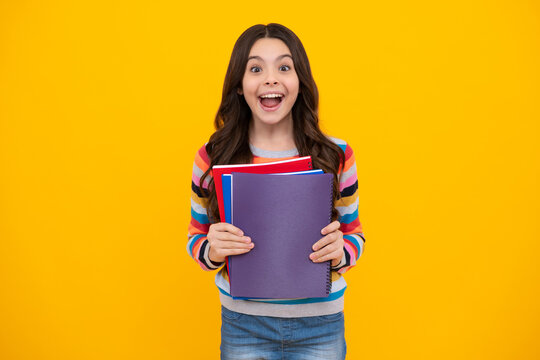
270 84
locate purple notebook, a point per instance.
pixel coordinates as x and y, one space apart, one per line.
284 216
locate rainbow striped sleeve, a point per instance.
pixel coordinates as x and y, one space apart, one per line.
347 207
197 245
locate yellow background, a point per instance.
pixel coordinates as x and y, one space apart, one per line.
104 103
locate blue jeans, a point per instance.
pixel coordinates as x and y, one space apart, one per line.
249 337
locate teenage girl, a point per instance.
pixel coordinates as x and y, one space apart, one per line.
269 112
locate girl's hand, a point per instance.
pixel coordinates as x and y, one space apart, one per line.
226 239
329 247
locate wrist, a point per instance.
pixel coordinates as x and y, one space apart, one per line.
337 263
213 256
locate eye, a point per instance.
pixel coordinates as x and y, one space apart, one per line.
284 68
255 69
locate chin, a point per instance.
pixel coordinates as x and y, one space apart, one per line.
271 120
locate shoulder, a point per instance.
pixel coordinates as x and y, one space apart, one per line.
347 150
202 160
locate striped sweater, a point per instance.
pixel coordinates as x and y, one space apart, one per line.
347 207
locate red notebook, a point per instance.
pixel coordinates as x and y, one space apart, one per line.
296 164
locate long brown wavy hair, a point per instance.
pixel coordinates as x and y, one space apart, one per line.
229 144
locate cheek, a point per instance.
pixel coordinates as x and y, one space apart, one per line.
293 92
293 86
250 89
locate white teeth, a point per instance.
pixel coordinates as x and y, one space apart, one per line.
271 96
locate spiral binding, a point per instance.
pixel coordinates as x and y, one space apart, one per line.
329 277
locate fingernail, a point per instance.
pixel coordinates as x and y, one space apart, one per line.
312 256
251 245
314 248
247 239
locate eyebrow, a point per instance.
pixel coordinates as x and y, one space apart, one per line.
278 58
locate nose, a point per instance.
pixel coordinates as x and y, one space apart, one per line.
271 78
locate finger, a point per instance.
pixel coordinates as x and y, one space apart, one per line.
230 252
324 251
229 228
224 252
330 238
333 226
333 255
225 236
232 245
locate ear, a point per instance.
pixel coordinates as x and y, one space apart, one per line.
239 91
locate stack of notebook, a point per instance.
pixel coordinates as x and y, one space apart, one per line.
283 207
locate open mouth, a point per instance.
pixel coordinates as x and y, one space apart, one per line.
270 102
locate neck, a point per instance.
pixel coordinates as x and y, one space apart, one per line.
273 137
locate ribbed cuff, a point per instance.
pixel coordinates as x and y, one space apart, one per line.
205 259
342 262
